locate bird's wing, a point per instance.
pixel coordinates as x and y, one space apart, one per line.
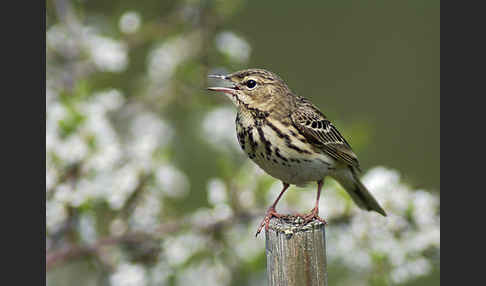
320 132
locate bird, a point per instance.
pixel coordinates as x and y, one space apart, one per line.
288 137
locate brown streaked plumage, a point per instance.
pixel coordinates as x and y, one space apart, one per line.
291 139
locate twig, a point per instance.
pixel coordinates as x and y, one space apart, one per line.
70 252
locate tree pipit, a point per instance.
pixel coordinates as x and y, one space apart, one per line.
291 140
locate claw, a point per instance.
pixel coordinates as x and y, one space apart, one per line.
266 220
314 214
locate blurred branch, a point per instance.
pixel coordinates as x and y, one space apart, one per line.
75 251
134 198
70 252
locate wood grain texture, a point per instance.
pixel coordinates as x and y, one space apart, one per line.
296 253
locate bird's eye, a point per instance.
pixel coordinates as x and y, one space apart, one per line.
251 83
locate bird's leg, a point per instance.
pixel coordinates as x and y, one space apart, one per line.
315 211
271 212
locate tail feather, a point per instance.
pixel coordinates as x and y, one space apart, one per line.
358 192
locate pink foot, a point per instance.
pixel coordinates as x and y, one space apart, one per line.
314 214
265 222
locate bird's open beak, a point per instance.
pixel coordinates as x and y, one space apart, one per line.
228 90
222 89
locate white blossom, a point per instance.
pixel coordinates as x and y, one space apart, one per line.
216 192
233 46
55 215
129 275
146 215
173 182
107 54
219 130
130 22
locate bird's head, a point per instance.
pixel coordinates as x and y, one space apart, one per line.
253 88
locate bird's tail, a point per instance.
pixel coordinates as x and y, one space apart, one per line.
358 192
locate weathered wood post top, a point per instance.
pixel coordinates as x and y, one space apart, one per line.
296 253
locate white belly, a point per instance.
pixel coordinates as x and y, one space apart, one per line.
293 172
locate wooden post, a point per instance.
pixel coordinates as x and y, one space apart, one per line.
296 253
